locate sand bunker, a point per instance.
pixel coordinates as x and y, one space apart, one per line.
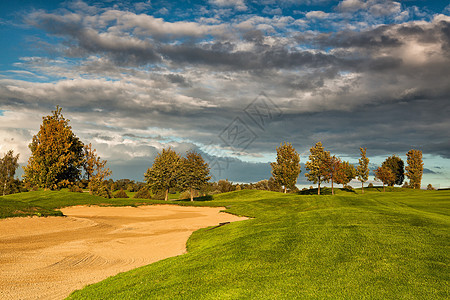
48 258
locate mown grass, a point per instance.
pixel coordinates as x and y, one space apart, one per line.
47 203
392 245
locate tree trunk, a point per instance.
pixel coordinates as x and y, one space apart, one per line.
192 195
362 187
285 189
384 190
167 195
332 188
4 189
318 189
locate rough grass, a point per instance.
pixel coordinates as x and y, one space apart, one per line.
392 245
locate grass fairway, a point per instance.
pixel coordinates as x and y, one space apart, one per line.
392 245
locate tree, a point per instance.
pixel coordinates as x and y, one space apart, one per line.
346 174
164 172
97 184
89 161
286 169
414 169
273 185
194 172
396 165
317 165
334 169
8 167
362 171
56 154
385 175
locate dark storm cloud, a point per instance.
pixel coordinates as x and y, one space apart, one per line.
140 82
368 39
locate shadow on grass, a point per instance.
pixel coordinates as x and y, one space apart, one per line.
198 199
325 191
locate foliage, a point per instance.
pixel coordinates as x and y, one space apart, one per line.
414 169
75 189
194 172
396 165
120 194
317 165
286 169
56 154
362 171
8 167
164 172
430 187
347 173
385 175
273 185
90 158
143 193
224 186
98 187
334 170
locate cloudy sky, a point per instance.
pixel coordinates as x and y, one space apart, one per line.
231 79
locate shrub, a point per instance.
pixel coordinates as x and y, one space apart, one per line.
99 188
185 195
75 189
143 193
160 195
370 185
120 194
430 187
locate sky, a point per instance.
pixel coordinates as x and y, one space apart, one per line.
231 80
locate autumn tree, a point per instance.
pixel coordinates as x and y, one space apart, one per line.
317 165
56 154
286 169
273 185
333 167
8 167
396 165
98 173
194 172
89 161
164 172
385 175
414 169
347 173
362 171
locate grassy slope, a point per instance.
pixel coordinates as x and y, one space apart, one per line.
46 203
376 246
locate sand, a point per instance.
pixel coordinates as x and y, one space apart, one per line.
48 258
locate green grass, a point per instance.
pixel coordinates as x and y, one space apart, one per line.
47 203
392 245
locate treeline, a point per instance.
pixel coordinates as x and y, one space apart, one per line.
59 159
324 167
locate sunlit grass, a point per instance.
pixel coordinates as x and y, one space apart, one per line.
392 245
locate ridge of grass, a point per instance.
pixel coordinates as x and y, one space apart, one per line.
389 245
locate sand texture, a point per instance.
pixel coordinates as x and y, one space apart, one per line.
48 258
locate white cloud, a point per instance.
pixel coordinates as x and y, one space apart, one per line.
316 14
236 4
351 5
